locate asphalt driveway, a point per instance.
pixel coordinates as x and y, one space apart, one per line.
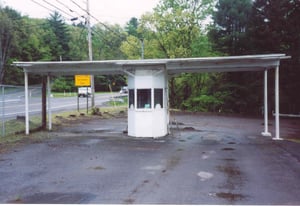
206 160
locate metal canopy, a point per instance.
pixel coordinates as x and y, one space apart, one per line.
173 66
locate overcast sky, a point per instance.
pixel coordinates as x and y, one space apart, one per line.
107 11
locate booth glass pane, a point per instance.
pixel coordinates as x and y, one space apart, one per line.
158 98
131 98
144 98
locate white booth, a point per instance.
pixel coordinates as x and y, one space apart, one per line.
148 103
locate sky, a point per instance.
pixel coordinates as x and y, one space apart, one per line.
105 11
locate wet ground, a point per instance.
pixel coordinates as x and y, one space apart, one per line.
207 159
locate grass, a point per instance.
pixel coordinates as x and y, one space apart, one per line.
294 140
16 126
121 101
70 94
62 94
15 129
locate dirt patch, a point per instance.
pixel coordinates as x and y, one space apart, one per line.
54 198
231 197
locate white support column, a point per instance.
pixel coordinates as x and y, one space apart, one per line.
266 132
49 103
277 132
26 103
167 78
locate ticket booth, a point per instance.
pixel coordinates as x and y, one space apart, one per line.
148 103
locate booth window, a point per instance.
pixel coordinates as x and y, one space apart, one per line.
144 98
131 98
158 98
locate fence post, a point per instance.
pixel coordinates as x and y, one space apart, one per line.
3 110
26 104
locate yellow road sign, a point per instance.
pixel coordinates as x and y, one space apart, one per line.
82 80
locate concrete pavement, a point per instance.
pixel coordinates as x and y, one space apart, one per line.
206 160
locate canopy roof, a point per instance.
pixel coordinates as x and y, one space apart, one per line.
173 66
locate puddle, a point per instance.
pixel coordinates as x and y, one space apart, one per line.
97 168
55 198
228 149
188 129
101 130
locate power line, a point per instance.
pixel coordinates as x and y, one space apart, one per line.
71 10
80 7
58 8
52 11
103 24
97 20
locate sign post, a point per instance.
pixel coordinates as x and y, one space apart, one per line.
83 80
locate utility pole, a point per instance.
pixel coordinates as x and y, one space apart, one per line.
142 47
90 48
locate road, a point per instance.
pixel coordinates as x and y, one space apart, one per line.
206 160
15 105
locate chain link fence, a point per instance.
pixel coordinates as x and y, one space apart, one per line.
12 108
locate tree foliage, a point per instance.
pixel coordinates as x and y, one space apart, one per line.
274 28
60 37
230 21
175 25
174 29
9 20
229 34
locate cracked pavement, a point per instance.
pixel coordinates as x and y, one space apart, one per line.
208 159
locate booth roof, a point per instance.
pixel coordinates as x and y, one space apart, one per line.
172 66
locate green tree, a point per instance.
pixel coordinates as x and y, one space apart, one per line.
107 40
9 19
131 47
59 41
176 24
179 30
132 27
230 24
78 42
230 35
275 28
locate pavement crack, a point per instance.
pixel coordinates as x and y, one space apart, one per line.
130 199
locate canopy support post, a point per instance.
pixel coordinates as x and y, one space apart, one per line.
277 132
44 102
49 103
26 103
266 132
